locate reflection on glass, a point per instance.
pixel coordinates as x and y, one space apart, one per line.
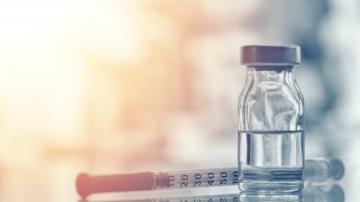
324 193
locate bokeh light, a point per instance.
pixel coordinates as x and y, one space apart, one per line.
115 86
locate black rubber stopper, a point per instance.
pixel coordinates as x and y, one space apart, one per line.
265 55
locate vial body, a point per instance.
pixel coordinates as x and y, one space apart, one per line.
270 137
272 162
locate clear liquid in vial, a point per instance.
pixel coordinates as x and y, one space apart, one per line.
271 161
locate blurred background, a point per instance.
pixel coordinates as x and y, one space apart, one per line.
123 86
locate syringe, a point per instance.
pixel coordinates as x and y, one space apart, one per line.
86 184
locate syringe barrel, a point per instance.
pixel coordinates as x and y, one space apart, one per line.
198 178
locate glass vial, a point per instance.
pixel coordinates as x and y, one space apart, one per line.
271 109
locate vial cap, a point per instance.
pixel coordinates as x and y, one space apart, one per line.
270 55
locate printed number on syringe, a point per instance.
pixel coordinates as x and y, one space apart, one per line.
203 180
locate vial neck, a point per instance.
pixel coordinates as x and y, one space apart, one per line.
271 74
